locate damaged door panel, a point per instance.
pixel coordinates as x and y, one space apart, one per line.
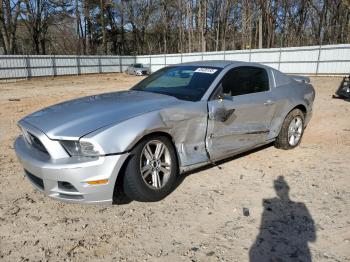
237 122
240 111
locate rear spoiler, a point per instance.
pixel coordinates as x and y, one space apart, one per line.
301 79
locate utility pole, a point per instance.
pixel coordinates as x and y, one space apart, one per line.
260 29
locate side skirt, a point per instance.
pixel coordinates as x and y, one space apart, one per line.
184 169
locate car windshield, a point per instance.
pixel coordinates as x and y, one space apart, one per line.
183 82
138 65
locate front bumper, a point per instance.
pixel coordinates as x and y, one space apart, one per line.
66 179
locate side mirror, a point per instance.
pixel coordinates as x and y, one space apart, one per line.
222 96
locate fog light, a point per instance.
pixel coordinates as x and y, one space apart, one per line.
66 186
98 182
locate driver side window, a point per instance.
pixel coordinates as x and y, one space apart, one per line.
245 80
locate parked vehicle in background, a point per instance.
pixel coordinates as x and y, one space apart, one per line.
138 70
177 119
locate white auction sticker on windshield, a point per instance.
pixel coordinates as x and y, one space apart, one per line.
205 70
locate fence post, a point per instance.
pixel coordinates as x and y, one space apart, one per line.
279 59
25 65
250 54
202 56
318 59
165 59
181 57
224 55
99 65
150 63
53 63
28 67
120 64
78 64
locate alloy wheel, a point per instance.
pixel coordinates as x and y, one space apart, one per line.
155 164
295 131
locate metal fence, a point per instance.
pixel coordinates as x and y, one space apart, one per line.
310 60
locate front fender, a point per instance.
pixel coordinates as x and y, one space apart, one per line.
122 137
185 124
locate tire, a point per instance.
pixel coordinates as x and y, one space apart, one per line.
150 178
291 127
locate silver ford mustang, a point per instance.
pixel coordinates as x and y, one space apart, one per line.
177 119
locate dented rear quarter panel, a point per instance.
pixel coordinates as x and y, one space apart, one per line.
288 97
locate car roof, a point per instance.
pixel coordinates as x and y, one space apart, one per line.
222 63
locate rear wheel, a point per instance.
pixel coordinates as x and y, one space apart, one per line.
151 171
292 130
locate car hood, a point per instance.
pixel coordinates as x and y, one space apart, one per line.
76 118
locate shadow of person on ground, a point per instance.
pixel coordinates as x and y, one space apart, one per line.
285 230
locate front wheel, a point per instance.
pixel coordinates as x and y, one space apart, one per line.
152 169
291 131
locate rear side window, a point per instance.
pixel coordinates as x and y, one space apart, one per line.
245 80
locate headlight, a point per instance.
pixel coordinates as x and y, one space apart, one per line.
80 148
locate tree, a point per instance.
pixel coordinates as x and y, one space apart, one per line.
131 27
9 12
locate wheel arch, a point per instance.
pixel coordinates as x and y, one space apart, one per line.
277 125
301 107
154 133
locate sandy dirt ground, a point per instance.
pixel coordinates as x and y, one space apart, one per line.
203 219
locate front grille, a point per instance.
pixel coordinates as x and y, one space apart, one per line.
35 142
35 180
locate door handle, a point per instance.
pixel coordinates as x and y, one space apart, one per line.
268 103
